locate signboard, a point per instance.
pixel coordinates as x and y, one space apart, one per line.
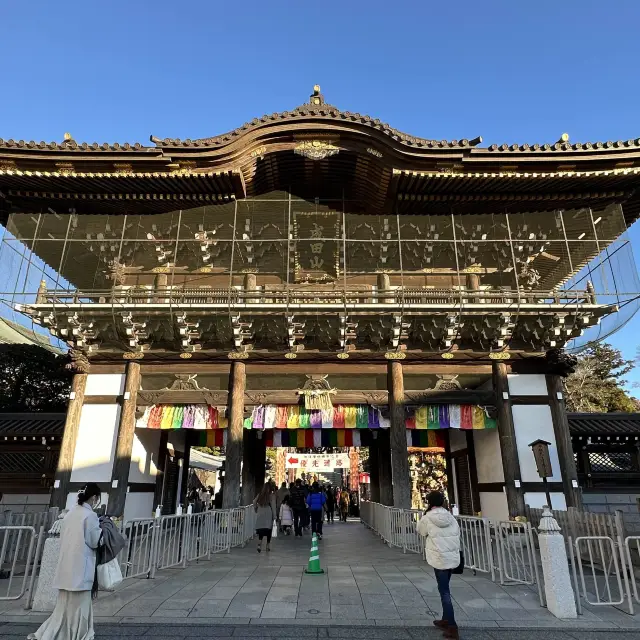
317 461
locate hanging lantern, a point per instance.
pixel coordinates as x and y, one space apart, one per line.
317 392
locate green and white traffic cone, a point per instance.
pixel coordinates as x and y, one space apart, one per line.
314 557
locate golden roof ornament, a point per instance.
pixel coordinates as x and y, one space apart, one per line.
317 392
316 98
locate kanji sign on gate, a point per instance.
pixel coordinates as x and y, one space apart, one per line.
317 461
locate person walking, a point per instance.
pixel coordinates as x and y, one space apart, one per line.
280 495
72 617
263 506
316 501
286 516
442 551
298 506
331 504
344 505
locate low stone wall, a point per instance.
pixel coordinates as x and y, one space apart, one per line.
610 502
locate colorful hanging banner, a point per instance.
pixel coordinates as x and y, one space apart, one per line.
307 427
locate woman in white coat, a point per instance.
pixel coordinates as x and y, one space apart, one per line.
72 617
442 550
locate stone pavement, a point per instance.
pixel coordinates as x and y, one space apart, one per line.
365 583
13 631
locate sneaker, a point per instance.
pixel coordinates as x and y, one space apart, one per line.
319 537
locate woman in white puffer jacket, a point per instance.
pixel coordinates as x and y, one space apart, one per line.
442 550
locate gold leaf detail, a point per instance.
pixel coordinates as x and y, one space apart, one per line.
447 356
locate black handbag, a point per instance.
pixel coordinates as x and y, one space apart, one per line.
460 568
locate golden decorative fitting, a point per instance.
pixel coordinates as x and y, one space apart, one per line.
161 270
316 149
343 356
238 355
252 270
291 355
68 136
133 355
184 166
499 355
186 356
374 152
204 270
123 168
8 165
65 168
259 152
395 355
474 268
448 355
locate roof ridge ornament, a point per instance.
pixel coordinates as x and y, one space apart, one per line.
316 98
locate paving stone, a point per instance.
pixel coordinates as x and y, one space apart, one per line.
210 608
370 633
250 610
277 631
279 610
347 611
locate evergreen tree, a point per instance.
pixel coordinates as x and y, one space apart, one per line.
33 379
598 381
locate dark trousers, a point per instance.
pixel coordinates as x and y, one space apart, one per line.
264 533
330 513
443 577
298 520
343 515
316 522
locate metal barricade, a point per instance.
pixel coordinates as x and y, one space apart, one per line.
171 544
15 566
517 560
137 557
632 554
218 531
600 584
475 538
197 527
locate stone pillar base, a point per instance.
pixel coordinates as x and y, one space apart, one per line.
46 596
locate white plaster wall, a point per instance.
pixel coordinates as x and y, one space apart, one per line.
104 384
458 439
531 384
488 456
533 422
494 505
138 505
144 453
538 500
96 444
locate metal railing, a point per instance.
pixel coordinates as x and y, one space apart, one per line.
503 550
305 294
18 567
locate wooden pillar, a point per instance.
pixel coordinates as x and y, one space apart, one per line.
124 444
451 494
384 467
398 436
259 461
374 473
508 447
473 471
248 466
158 494
473 281
160 284
572 494
68 446
384 285
184 484
237 382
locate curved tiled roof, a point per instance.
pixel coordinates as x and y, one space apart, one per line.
604 424
31 424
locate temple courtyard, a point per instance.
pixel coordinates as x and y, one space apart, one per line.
365 584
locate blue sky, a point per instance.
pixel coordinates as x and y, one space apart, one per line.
509 71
